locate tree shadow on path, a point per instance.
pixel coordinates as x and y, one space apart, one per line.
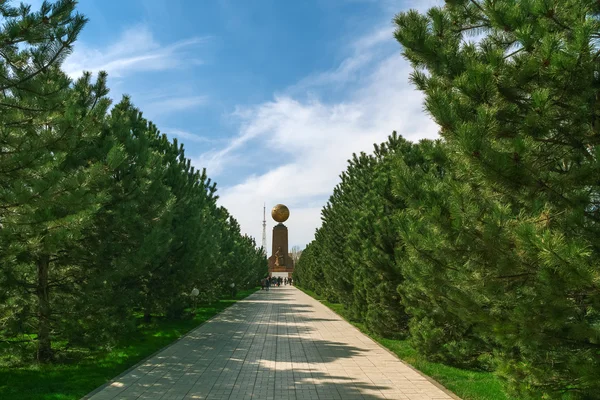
265 347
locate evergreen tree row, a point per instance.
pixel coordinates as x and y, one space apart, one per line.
483 247
102 218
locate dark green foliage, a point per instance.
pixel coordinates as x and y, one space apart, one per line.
308 272
101 216
438 244
520 112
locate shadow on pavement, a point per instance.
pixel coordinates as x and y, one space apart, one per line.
249 352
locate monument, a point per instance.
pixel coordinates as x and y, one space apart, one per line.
280 262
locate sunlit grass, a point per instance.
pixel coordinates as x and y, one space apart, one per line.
70 381
466 384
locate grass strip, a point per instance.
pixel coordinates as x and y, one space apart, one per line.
72 381
466 384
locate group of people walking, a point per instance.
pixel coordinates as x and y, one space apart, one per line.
267 282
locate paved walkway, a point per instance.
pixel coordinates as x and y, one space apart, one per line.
276 345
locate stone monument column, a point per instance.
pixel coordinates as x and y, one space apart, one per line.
280 261
280 242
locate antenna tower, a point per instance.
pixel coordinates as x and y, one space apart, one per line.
264 237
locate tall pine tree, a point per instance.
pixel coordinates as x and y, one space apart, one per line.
520 106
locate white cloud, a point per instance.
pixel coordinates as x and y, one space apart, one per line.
364 51
172 104
316 139
136 50
188 136
216 161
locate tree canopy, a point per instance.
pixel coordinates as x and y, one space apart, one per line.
102 217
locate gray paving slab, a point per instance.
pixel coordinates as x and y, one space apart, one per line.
280 344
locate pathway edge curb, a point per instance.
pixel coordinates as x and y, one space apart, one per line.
116 378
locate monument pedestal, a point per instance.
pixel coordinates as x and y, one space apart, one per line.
280 262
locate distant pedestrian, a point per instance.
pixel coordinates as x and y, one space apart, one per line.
290 281
268 283
262 284
285 281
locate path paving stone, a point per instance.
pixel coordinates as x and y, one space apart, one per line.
279 345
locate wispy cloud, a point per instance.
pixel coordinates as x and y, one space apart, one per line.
316 138
169 105
136 50
188 136
216 161
364 52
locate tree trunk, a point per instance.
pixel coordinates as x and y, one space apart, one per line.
44 350
147 310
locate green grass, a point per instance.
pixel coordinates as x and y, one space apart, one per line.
466 384
72 381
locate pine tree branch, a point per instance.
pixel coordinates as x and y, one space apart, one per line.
476 4
471 27
557 22
22 108
56 57
429 257
469 15
13 42
515 275
12 341
551 141
69 279
25 122
514 53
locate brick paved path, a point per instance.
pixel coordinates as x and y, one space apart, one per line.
275 345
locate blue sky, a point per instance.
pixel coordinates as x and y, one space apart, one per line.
271 96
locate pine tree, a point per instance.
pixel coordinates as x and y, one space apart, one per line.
339 217
439 228
308 272
520 109
33 44
132 230
374 245
54 201
45 187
